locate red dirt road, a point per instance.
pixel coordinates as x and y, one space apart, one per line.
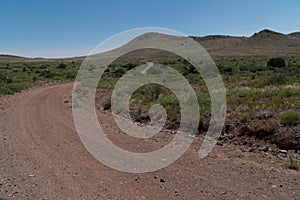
42 157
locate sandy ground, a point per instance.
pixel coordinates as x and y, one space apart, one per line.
42 157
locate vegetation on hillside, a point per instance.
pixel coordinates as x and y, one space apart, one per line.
257 94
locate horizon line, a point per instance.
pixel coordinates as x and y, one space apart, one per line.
82 54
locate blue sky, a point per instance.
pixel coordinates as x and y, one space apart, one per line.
55 28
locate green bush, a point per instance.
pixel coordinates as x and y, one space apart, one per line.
277 79
62 66
8 80
129 66
153 91
294 160
290 118
244 117
71 74
107 104
46 74
5 90
141 116
201 125
227 69
276 62
119 72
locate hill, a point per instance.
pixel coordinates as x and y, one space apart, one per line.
295 34
265 42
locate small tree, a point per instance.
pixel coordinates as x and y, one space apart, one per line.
62 66
276 62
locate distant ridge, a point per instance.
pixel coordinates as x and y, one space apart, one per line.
9 55
295 34
263 43
213 37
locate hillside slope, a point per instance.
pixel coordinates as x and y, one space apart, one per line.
265 42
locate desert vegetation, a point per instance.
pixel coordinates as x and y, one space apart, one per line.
262 98
17 73
263 91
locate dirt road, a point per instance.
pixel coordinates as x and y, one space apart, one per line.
149 66
42 157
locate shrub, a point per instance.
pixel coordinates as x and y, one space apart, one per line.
153 91
62 66
276 62
46 74
228 70
276 79
129 66
244 117
189 69
290 118
5 90
8 80
119 72
141 116
294 160
107 104
71 74
201 125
